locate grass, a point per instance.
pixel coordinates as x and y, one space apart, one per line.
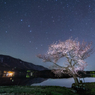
35 90
46 90
90 89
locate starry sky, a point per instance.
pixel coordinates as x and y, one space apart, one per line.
28 27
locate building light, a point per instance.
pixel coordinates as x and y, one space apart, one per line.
9 74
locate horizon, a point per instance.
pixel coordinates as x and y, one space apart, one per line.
31 62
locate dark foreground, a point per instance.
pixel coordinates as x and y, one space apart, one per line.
46 90
35 90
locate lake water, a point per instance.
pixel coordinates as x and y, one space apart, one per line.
67 82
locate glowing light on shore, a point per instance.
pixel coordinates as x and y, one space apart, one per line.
10 74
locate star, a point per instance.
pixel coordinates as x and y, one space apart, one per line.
4 2
89 6
30 30
36 24
6 31
70 29
28 25
21 20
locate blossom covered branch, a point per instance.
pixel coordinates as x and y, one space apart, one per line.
73 50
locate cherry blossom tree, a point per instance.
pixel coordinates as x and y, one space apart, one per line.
75 53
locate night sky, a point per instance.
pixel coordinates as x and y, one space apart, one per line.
28 27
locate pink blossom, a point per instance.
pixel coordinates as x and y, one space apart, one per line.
73 50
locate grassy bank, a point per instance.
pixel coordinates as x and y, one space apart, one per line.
35 90
46 90
91 88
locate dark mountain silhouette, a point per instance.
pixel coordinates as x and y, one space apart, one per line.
10 63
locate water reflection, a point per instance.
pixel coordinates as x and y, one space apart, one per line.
20 81
67 82
88 79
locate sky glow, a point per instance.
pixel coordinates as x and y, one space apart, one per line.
28 27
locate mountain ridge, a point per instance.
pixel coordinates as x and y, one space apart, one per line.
15 63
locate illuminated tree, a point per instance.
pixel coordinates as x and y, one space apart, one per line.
75 53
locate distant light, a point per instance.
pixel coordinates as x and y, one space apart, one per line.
4 2
89 6
70 29
30 30
29 41
10 78
28 25
31 74
53 21
9 74
52 17
6 31
21 20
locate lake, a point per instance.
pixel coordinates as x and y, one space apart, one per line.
67 82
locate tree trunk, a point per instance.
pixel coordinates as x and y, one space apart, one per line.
75 79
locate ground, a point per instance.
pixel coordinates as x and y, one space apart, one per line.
46 90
